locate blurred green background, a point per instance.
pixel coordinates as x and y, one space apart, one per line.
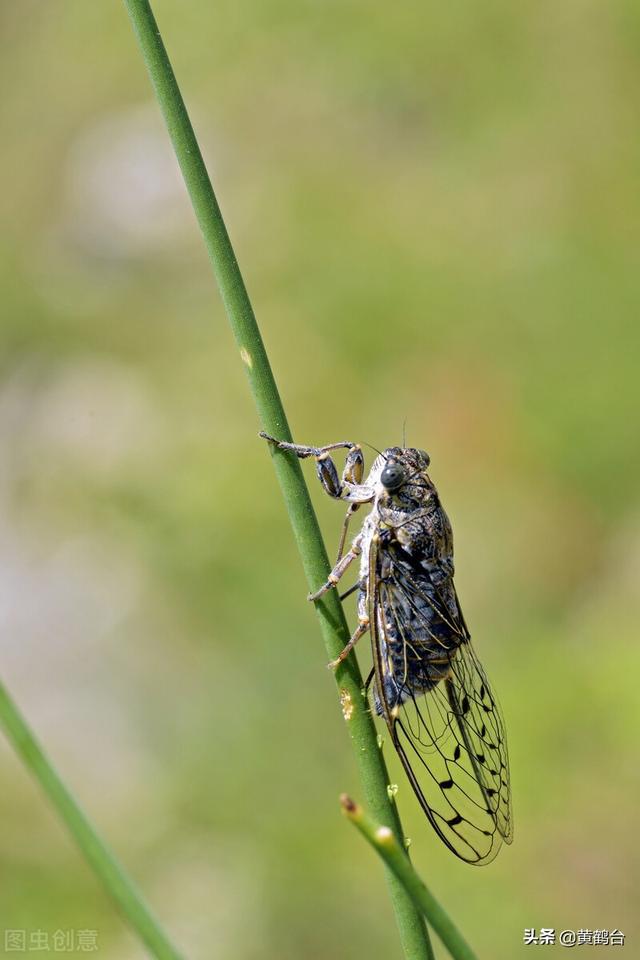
437 212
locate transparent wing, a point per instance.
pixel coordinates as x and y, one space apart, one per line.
443 718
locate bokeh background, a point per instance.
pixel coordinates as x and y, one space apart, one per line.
437 213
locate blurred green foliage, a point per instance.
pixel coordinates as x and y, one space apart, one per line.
436 210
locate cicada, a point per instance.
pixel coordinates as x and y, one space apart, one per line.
428 684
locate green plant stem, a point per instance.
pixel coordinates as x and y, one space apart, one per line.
272 417
386 845
99 857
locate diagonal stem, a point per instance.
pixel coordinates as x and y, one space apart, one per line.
413 933
395 857
119 886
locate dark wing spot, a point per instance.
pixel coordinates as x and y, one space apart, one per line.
456 752
446 784
465 705
454 821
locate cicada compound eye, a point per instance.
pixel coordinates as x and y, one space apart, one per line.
393 476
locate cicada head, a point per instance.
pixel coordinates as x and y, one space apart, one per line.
401 465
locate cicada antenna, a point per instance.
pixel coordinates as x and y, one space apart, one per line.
371 447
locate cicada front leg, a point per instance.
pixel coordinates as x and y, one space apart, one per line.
348 487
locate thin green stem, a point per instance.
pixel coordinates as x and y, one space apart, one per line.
386 845
98 855
413 932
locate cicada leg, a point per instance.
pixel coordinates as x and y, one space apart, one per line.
345 528
360 630
348 487
340 568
